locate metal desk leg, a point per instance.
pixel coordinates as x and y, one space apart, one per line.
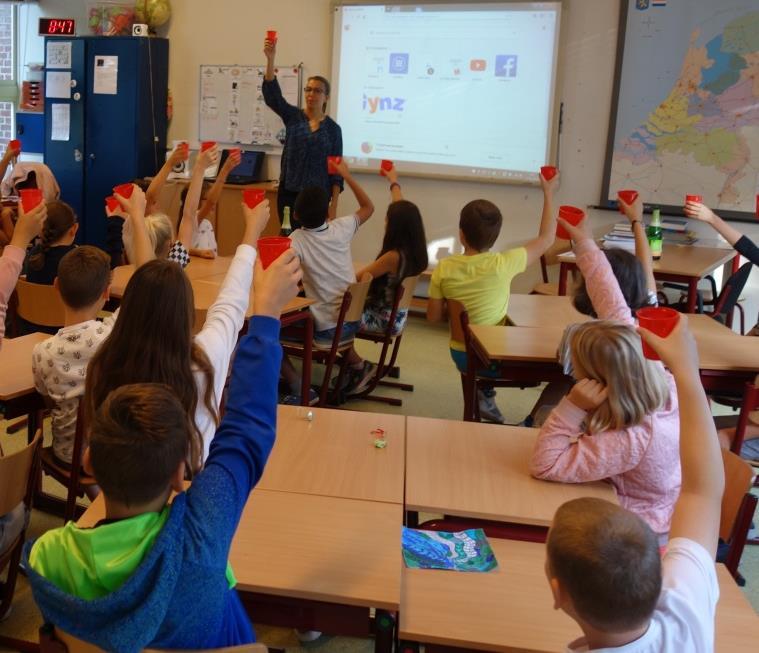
563 271
384 637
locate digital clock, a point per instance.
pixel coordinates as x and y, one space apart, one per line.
57 27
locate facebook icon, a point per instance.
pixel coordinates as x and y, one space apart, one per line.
506 65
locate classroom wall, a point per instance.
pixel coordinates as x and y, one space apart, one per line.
232 31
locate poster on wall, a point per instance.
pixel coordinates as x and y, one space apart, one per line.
232 107
686 105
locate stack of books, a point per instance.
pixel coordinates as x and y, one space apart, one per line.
675 233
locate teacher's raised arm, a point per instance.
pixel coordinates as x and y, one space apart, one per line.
310 137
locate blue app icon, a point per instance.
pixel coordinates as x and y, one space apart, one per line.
506 65
399 63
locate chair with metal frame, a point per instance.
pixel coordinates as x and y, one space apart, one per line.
738 506
404 293
18 474
72 477
351 309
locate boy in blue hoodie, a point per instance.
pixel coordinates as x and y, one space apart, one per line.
152 573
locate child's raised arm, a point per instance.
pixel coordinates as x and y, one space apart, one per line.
134 206
189 223
600 282
743 245
212 198
365 206
634 213
156 184
697 511
547 234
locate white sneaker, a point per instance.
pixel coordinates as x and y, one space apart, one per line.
488 409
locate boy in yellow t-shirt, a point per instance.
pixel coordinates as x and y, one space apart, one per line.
481 279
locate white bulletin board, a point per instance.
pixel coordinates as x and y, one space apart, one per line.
232 107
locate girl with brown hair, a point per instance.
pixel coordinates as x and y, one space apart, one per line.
57 240
152 340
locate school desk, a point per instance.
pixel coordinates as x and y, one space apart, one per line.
726 360
333 454
198 268
511 608
18 395
681 263
315 563
543 310
482 471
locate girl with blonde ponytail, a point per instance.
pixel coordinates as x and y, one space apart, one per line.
620 421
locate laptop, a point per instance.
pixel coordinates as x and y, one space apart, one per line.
249 169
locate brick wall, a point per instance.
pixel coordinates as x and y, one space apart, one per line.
6 70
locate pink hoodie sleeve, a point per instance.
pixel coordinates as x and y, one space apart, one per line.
601 284
10 268
565 452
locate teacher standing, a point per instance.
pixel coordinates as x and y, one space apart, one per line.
311 137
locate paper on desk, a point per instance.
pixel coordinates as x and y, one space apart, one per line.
462 551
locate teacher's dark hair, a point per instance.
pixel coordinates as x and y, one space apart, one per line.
324 82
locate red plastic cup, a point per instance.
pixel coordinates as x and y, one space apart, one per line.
233 150
572 215
385 166
30 197
112 203
271 35
15 145
332 163
694 198
548 172
207 145
184 148
253 197
627 196
125 190
271 248
659 320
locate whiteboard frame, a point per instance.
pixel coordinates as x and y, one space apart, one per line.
555 110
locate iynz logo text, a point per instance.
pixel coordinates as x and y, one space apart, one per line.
376 103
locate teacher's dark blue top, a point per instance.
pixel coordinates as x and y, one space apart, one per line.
304 157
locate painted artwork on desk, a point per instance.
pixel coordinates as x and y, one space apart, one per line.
463 551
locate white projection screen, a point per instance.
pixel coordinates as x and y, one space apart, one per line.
462 91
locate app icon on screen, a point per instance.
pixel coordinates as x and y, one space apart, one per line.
506 65
399 63
478 65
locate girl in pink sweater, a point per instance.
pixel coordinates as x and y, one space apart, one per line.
620 420
27 227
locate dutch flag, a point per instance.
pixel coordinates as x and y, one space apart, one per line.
658 3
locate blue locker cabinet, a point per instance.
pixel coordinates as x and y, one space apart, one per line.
117 122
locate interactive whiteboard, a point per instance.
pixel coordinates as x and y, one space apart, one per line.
452 90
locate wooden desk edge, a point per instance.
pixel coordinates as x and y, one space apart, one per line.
392 606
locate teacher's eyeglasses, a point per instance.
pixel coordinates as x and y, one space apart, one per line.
313 89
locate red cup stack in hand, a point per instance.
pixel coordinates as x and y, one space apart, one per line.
659 320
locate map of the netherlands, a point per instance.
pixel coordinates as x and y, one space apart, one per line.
688 106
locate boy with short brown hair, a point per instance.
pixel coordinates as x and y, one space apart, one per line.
603 563
60 362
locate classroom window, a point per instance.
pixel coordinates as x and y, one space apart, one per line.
8 83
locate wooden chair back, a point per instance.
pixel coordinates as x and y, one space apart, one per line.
408 285
15 475
18 478
39 304
358 292
738 506
54 640
455 311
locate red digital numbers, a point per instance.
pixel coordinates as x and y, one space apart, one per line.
57 27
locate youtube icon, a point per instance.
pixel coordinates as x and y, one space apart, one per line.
478 65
